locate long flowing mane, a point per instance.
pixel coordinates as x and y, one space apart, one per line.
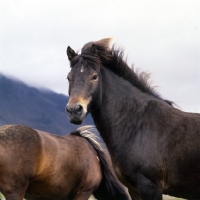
101 54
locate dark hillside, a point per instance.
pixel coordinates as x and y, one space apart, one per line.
40 109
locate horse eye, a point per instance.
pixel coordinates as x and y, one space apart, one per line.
95 76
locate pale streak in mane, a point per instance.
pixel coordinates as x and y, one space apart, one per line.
88 132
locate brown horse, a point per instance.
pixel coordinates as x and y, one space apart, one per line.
42 166
154 147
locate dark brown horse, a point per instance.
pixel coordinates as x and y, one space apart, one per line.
154 147
42 166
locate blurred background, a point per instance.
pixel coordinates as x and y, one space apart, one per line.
161 37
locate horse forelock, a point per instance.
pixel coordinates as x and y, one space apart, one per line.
104 43
97 53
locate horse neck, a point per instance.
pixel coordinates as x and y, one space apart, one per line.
121 105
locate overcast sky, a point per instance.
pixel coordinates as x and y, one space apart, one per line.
161 37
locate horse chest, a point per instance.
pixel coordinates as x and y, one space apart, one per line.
121 167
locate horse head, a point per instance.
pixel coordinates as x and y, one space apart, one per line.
83 82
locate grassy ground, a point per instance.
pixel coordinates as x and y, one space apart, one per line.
165 197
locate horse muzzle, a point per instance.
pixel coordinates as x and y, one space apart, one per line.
76 113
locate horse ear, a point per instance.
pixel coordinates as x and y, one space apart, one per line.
70 53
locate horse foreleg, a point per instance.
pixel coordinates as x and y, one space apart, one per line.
14 196
12 193
82 195
148 190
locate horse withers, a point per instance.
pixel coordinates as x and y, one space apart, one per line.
42 166
154 147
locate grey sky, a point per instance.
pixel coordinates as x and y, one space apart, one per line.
161 37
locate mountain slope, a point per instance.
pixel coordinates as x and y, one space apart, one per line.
40 109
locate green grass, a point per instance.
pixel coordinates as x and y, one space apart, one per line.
166 197
1 196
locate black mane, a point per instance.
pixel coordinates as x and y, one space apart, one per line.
100 54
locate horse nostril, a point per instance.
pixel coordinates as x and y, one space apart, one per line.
74 109
68 109
78 109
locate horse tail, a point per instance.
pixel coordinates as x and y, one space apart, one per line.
110 187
